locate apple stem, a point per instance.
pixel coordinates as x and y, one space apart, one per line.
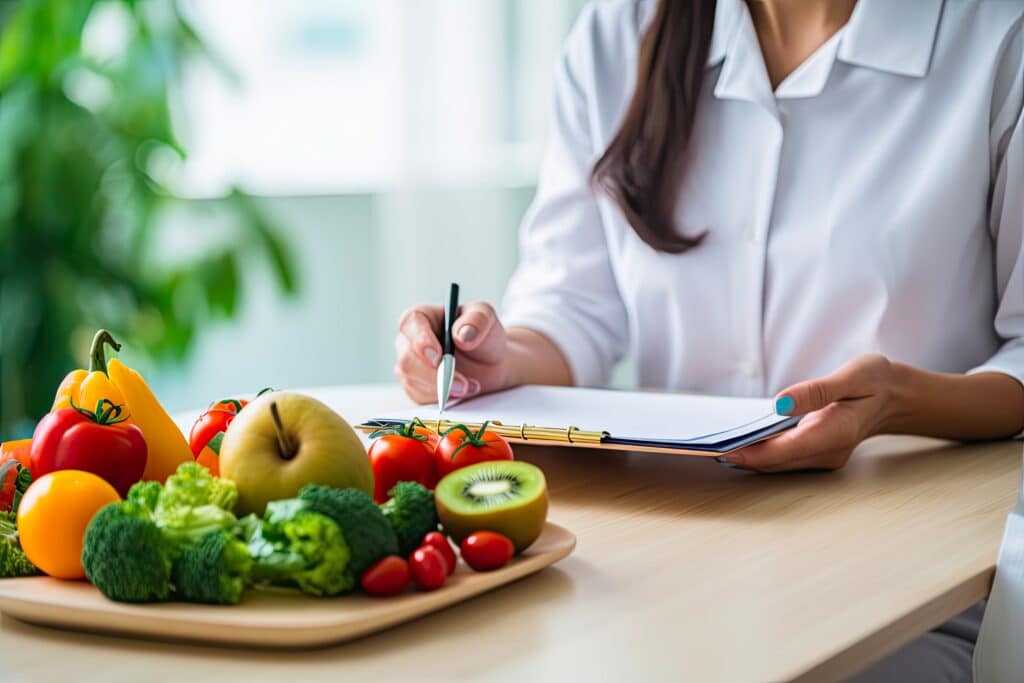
284 444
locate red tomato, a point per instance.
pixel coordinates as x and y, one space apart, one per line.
390 576
212 422
486 550
403 453
460 447
436 539
17 453
428 567
97 442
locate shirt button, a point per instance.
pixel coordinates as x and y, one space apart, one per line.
753 236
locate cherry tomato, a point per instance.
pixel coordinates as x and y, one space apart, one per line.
429 568
390 576
53 516
436 539
403 453
214 420
460 447
486 550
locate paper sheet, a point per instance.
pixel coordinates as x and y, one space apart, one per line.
643 416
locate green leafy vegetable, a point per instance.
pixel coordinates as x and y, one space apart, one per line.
13 562
294 546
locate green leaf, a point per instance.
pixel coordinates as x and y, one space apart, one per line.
279 256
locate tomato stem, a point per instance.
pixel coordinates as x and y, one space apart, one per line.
97 356
470 439
406 429
107 412
284 444
235 404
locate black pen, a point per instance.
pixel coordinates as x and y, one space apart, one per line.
446 370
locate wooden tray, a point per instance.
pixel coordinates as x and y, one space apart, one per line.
263 619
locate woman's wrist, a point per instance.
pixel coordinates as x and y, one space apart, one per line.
987 405
532 358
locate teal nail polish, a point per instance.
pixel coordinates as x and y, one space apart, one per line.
784 405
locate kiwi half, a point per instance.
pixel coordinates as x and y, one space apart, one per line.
506 496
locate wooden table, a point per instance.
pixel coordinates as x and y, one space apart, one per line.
685 570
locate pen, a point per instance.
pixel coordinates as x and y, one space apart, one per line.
446 370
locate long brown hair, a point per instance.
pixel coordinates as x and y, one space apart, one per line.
643 166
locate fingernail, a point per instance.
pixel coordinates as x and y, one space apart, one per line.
732 460
474 387
431 354
467 333
730 465
458 387
784 405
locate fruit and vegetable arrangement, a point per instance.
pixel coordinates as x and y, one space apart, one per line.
276 492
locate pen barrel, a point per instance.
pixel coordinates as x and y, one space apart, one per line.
451 310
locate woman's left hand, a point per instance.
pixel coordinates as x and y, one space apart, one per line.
840 410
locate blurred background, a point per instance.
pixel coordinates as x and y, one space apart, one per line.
249 192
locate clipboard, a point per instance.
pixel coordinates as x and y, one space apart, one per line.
611 419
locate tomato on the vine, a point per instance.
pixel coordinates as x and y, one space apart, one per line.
214 420
460 447
404 453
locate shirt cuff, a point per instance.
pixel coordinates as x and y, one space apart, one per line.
1009 360
586 362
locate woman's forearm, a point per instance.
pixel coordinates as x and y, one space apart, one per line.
535 359
986 405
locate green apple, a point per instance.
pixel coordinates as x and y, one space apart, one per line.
282 441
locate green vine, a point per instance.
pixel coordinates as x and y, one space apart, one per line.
107 412
471 438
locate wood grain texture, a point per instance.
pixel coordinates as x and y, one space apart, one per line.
267 619
684 570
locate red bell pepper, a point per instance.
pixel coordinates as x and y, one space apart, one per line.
97 441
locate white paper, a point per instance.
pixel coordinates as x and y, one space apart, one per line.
645 416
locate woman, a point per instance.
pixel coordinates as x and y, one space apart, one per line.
820 200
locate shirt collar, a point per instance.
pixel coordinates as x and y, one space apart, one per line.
897 36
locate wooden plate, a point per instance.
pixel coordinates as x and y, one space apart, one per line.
263 618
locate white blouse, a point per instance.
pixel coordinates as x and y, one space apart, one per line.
874 202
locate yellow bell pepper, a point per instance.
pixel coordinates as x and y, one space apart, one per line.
167 445
86 388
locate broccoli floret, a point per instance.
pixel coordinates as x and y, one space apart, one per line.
193 486
366 530
13 562
412 514
126 556
214 570
295 546
146 494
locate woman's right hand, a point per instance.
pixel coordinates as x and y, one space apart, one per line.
481 351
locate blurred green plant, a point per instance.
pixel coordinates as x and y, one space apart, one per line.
81 206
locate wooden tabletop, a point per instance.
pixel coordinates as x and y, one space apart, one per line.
684 570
